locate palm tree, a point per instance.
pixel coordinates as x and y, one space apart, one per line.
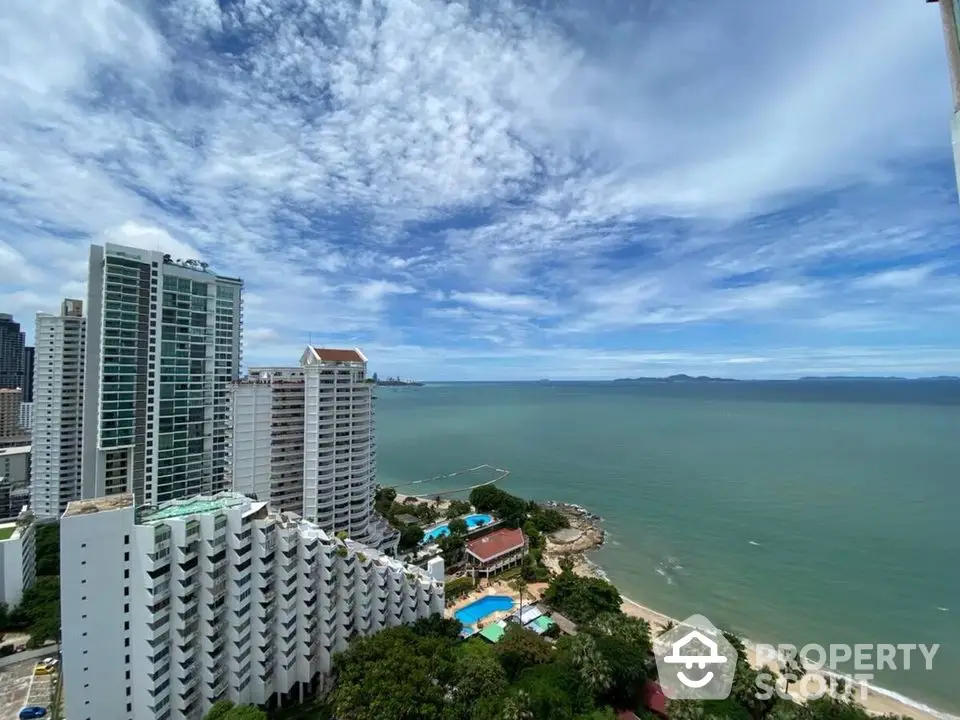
793 670
516 707
593 669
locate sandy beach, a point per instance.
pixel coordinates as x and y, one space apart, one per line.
873 701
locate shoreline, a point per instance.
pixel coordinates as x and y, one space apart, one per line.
876 700
592 536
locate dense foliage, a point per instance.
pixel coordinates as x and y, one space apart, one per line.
424 672
226 710
517 512
582 599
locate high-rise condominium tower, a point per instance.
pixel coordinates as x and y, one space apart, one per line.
303 438
58 410
163 346
167 610
11 353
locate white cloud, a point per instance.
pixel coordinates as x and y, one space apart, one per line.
422 172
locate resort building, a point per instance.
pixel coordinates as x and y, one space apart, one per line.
303 439
163 346
57 434
496 551
168 609
14 480
17 558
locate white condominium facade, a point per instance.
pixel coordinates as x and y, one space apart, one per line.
303 438
17 558
57 410
163 347
26 416
169 609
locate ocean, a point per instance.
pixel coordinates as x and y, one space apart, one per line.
789 512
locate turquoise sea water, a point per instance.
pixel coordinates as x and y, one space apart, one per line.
789 512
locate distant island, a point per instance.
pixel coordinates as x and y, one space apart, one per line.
676 379
392 382
682 378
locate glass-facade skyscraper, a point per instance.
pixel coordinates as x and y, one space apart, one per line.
11 353
164 346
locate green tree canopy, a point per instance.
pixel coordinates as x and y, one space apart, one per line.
582 599
457 526
410 537
520 648
458 508
226 710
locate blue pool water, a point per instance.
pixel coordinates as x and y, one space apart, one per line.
472 521
479 609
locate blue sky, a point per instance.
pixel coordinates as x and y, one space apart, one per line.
497 190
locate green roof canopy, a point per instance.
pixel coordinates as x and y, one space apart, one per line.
493 632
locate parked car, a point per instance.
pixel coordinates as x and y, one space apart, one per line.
32 711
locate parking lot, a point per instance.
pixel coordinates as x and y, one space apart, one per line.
25 683
14 685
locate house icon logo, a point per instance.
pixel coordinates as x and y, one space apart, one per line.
695 661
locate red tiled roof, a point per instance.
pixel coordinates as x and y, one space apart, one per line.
499 542
654 699
335 355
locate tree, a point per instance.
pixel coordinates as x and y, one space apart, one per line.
410 537
481 681
547 519
457 526
40 609
226 710
582 599
452 548
47 548
394 675
437 626
589 662
520 648
457 508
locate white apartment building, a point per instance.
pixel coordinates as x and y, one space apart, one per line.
166 610
26 416
163 347
17 558
303 439
57 410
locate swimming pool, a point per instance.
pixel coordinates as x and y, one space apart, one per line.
473 521
479 609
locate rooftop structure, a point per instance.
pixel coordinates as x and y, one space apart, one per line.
168 609
496 551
